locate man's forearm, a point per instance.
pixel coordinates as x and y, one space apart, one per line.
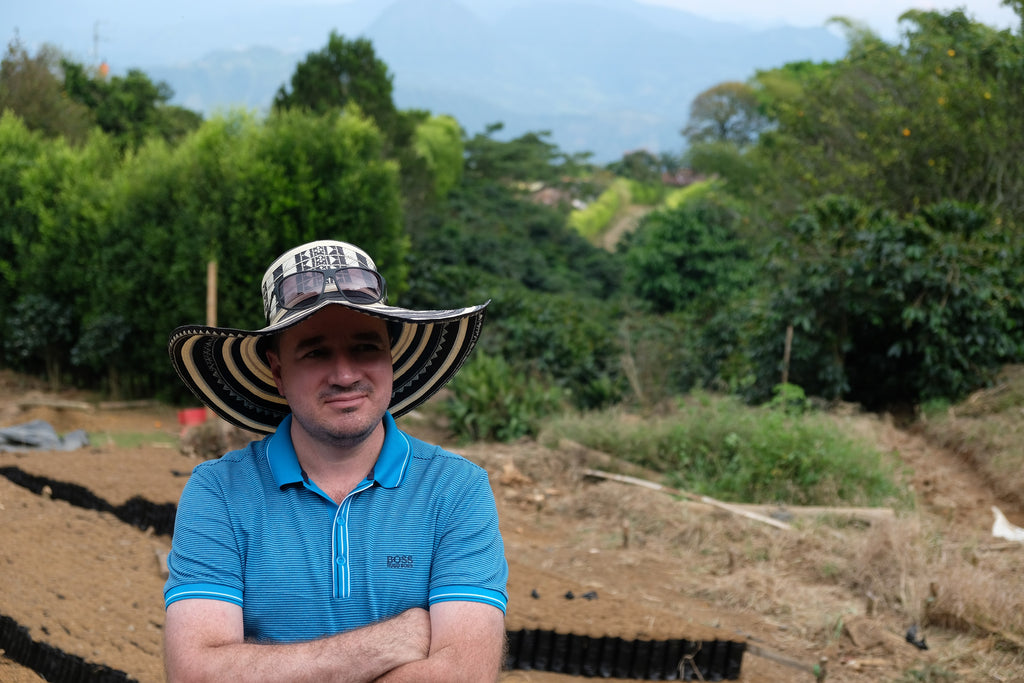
356 656
472 652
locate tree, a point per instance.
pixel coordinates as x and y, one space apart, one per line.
40 330
688 258
438 141
101 349
122 242
932 118
529 157
240 192
343 72
129 108
641 166
21 150
31 88
889 309
728 112
725 122
62 195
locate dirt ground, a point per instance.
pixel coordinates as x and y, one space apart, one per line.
661 568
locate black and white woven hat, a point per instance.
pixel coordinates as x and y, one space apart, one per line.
227 368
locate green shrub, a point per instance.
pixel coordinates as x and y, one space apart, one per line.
38 333
690 193
790 399
101 349
592 220
569 338
647 194
490 400
689 258
719 447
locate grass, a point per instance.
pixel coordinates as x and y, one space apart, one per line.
986 430
719 447
590 221
133 439
914 565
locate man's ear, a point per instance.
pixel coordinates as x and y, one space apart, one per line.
275 370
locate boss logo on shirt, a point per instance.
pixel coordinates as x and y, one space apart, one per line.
399 562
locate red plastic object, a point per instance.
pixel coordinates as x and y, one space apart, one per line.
191 417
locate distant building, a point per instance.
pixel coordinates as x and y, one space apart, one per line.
681 177
551 196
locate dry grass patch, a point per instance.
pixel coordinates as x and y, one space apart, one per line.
987 430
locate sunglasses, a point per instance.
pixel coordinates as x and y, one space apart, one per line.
308 287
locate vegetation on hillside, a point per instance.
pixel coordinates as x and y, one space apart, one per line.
858 239
866 209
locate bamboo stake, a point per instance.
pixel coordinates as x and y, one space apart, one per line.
707 500
211 293
786 353
211 304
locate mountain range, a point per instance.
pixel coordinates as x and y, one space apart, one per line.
603 76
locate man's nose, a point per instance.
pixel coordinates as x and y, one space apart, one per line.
344 369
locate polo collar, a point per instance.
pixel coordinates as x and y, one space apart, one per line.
388 471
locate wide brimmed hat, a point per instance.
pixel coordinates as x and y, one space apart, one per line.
228 371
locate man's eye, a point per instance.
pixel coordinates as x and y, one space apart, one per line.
368 348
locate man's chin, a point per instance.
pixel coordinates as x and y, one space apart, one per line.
345 429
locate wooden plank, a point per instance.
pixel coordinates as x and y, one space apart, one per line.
127 405
707 500
56 403
818 510
757 510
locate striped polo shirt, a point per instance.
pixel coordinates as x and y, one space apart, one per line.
252 530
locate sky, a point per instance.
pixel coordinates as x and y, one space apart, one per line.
882 16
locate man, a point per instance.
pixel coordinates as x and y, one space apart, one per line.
338 548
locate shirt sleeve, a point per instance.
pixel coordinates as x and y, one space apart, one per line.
204 561
469 564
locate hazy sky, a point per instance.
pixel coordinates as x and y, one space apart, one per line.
880 15
70 23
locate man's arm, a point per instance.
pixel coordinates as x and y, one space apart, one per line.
467 643
203 641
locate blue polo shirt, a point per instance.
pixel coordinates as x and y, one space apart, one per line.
251 529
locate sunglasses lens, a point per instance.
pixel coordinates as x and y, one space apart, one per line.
359 286
299 290
303 289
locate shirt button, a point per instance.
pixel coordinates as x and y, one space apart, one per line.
341 559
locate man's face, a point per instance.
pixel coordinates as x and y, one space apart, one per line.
334 369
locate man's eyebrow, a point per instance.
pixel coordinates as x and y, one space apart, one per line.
310 342
317 340
370 336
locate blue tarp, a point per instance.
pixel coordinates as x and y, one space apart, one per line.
39 435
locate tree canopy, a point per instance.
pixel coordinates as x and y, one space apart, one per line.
872 204
727 112
342 72
31 87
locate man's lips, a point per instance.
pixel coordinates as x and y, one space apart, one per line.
346 399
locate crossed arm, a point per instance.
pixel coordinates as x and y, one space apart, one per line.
454 641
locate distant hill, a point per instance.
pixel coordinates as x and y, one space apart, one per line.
604 76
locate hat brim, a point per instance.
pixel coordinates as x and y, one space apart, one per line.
227 368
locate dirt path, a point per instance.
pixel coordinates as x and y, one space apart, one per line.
657 568
625 222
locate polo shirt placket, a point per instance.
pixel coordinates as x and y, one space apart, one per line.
341 555
340 552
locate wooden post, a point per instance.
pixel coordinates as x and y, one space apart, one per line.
211 293
785 354
211 304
